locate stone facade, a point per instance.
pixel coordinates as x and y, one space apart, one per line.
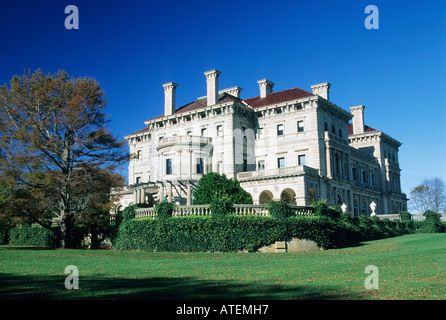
293 145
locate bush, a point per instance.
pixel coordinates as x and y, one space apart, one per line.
213 186
405 216
33 236
278 209
199 234
431 223
322 209
220 208
164 209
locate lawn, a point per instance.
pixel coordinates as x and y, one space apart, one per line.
410 267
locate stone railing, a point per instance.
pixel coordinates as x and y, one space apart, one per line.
278 171
415 217
237 209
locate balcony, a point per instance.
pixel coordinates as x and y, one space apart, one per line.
297 170
196 141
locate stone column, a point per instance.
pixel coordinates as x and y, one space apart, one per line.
169 194
189 195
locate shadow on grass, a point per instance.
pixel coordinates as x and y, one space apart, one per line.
18 287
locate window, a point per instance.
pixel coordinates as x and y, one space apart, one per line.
203 132
261 165
280 130
259 132
325 126
281 163
168 166
245 165
340 133
372 178
302 159
354 174
218 112
139 154
364 176
278 111
333 130
219 130
202 115
300 126
189 133
199 165
138 179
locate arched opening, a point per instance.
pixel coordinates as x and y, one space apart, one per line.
288 195
265 197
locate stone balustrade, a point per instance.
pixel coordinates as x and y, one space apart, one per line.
237 209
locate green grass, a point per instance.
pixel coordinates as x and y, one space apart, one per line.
410 267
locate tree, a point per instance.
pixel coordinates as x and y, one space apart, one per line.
54 146
430 195
213 186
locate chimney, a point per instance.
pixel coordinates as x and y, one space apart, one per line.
234 91
358 119
266 87
212 86
169 98
322 89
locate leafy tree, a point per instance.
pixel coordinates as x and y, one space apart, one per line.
56 148
430 195
213 186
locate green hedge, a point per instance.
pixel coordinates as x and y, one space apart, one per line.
238 233
33 236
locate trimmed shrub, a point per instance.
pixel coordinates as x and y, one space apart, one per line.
405 216
164 210
220 208
33 236
431 223
278 209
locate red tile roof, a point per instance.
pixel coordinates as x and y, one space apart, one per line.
256 102
366 129
278 97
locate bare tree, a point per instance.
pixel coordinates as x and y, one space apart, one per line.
430 195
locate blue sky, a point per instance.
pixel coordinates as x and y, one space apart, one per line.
133 47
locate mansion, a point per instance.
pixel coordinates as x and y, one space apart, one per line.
293 145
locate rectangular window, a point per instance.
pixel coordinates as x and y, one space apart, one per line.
300 126
259 132
189 133
302 159
340 133
261 165
280 130
139 154
245 165
281 163
168 166
138 179
219 131
199 165
203 132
